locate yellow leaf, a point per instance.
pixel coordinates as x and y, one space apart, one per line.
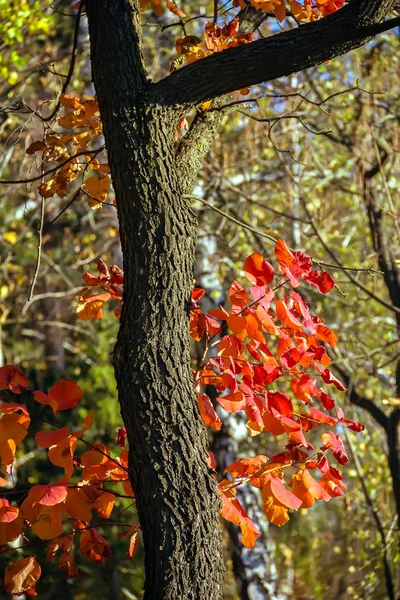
97 187
204 106
11 237
22 575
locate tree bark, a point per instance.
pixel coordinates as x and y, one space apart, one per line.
176 495
177 499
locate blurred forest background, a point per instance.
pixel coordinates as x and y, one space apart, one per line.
313 159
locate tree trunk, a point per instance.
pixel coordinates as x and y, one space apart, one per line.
176 495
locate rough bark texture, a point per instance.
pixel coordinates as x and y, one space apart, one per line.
176 494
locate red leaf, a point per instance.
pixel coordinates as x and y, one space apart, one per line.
283 313
208 413
353 425
328 377
335 444
63 395
258 271
281 403
197 294
321 280
238 295
326 401
294 265
12 378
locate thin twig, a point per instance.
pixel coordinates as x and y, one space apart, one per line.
59 166
66 207
338 262
29 303
228 216
71 64
38 252
375 517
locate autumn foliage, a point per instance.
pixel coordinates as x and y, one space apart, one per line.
265 339
262 343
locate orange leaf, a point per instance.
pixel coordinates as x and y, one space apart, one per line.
284 315
157 7
325 335
208 413
67 564
12 378
77 506
62 454
247 466
307 489
8 513
174 9
20 577
280 11
93 457
94 546
283 495
48 522
236 324
104 504
258 271
234 402
275 511
45 439
238 295
90 305
9 531
133 542
63 395
233 511
283 254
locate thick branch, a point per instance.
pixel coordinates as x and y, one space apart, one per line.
277 56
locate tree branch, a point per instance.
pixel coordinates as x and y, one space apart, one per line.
361 401
276 56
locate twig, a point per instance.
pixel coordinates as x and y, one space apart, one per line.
375 517
71 64
29 303
338 262
59 166
66 207
228 216
38 252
